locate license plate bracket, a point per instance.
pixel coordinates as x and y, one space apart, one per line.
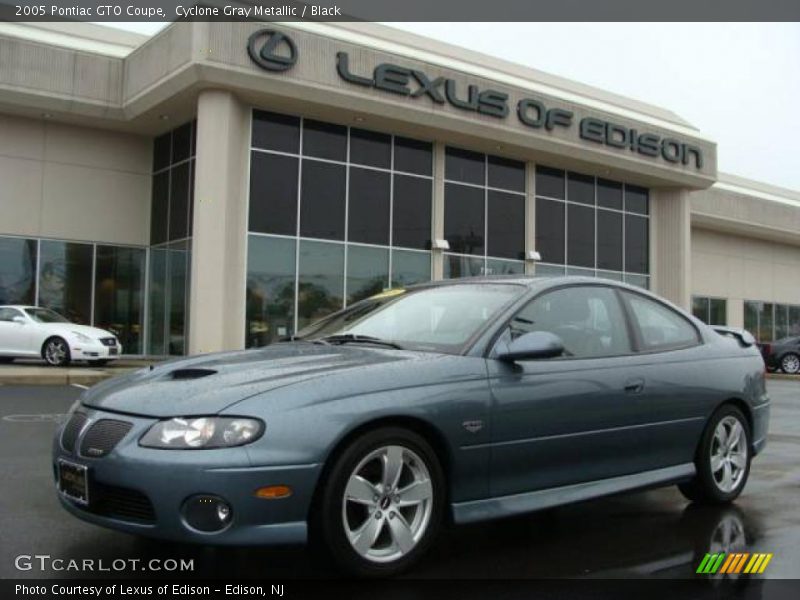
73 481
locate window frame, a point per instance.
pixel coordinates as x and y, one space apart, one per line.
639 346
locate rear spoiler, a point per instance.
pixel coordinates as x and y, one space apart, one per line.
744 337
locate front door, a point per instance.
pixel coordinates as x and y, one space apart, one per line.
15 338
573 418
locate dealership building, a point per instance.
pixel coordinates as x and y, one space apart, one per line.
221 185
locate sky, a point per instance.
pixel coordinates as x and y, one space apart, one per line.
739 83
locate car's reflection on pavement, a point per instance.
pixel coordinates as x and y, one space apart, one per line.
642 535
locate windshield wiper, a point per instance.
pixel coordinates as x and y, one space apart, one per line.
349 338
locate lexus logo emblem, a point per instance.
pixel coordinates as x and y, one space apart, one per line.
268 49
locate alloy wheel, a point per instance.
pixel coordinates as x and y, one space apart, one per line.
56 352
791 364
729 454
387 504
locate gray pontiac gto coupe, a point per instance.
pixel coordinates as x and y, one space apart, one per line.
463 400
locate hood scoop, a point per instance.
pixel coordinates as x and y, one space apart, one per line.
191 373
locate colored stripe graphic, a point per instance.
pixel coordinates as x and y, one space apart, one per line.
737 562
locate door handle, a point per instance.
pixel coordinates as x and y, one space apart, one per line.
634 386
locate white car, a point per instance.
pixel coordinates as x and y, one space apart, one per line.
33 332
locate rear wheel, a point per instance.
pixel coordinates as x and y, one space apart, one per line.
56 352
382 504
722 460
790 364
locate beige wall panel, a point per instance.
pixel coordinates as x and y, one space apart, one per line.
20 196
23 138
97 148
738 268
82 203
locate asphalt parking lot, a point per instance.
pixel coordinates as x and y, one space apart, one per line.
648 534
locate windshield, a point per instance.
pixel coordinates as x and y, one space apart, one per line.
441 319
45 315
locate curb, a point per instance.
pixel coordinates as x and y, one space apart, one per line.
88 378
783 376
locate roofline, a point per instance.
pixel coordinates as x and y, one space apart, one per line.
417 47
758 189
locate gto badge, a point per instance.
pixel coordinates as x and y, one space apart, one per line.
473 426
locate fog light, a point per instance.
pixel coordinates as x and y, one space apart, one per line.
207 513
274 492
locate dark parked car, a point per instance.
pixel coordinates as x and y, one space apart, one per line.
461 399
783 354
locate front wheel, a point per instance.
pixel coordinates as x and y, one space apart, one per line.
56 352
790 364
382 503
722 460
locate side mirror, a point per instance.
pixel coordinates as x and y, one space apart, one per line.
19 319
536 344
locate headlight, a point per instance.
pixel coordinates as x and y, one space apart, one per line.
84 338
202 432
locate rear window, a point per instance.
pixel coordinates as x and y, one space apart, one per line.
660 327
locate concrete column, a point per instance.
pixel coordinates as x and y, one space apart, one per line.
219 245
670 245
438 209
530 216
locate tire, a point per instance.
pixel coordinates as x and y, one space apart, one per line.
722 482
397 534
790 363
56 352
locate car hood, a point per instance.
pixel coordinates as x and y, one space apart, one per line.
68 328
208 384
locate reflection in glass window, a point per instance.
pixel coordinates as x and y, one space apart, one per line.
322 200
368 212
270 289
168 286
410 267
367 271
370 193
172 185
464 214
550 230
580 236
320 281
17 271
65 279
273 193
505 225
412 207
496 266
458 265
119 286
711 311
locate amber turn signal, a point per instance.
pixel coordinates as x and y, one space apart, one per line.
273 492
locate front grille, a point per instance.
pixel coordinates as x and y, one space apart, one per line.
120 503
103 436
109 341
72 430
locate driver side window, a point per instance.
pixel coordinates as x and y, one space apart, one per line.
588 319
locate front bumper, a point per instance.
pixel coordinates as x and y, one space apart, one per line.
94 351
167 478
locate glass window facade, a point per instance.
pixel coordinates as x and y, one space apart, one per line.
769 322
591 226
336 214
712 311
484 214
170 238
90 284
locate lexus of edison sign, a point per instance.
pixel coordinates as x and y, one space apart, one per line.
532 113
